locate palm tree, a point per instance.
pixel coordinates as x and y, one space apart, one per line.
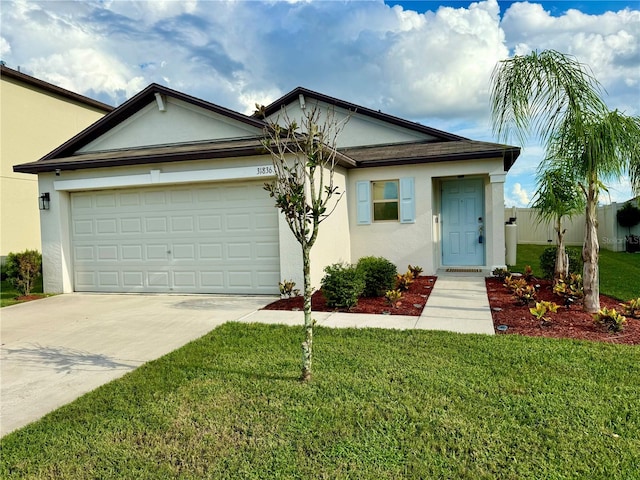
553 96
557 196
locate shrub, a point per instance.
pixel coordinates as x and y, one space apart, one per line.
528 273
415 270
379 275
287 289
403 281
342 285
632 307
548 261
610 319
541 309
22 270
570 289
393 297
501 273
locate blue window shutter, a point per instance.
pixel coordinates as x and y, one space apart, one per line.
407 200
363 202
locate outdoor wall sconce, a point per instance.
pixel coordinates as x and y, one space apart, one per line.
44 201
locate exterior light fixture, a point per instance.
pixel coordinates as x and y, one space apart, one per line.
45 199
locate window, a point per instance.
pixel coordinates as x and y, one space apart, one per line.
385 200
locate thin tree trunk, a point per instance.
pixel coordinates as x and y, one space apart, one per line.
590 253
562 259
307 344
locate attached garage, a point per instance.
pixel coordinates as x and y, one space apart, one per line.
204 238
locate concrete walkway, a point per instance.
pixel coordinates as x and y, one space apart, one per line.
458 303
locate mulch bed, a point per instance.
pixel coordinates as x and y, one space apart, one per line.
566 323
411 303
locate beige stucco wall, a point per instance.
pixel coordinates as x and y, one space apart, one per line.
418 243
32 123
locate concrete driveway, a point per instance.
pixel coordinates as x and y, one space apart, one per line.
55 349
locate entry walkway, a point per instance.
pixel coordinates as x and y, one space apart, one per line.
458 303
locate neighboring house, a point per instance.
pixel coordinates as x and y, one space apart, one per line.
165 194
35 117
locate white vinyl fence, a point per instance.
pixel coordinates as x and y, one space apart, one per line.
610 235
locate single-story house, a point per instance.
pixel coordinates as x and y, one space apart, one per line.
165 194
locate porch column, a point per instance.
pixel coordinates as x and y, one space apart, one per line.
495 220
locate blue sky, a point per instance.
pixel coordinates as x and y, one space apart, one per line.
428 62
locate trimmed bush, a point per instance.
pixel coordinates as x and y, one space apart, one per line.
23 269
548 261
342 285
379 275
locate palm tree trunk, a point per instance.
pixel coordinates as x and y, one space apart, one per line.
562 259
307 344
590 253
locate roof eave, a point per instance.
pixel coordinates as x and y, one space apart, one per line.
509 157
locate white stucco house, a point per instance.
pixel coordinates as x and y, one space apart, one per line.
165 194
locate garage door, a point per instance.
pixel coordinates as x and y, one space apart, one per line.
220 238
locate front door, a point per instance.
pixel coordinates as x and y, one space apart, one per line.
463 222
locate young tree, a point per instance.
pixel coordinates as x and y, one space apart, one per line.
558 196
553 96
304 159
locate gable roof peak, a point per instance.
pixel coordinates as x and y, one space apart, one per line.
293 95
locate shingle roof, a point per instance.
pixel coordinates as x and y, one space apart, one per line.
425 152
447 147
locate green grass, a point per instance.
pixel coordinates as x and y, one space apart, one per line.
8 293
619 271
383 405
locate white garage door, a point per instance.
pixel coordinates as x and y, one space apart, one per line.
220 238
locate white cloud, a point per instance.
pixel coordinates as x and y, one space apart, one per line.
517 197
5 47
609 44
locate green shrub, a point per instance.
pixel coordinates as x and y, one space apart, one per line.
23 269
342 285
379 275
548 261
610 319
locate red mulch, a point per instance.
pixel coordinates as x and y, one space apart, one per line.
28 298
417 294
566 323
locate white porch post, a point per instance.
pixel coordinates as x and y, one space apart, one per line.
495 220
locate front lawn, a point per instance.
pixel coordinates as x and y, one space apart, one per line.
619 271
383 405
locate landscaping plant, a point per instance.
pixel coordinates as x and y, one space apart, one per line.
554 97
501 273
632 307
610 319
22 270
548 261
541 309
287 289
403 281
415 270
393 297
379 275
304 160
342 285
570 289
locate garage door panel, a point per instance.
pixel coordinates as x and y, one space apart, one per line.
204 239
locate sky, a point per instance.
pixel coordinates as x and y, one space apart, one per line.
426 61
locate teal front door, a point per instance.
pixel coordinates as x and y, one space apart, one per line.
462 222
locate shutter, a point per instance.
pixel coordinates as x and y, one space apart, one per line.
407 200
363 202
